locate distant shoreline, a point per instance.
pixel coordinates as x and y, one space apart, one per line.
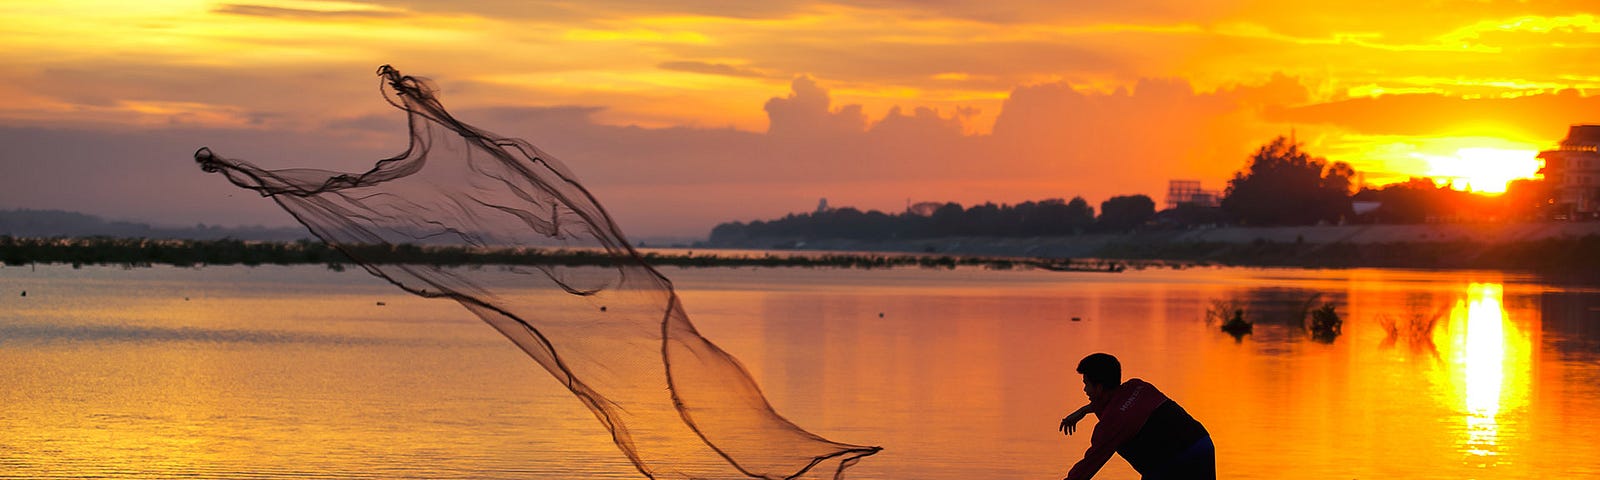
139 252
1551 247
1566 248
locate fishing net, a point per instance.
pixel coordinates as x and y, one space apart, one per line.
612 331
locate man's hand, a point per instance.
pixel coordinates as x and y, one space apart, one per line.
1070 424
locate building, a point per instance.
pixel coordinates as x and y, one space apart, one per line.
1180 192
1573 173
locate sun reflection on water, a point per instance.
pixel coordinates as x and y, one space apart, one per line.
1483 365
1490 362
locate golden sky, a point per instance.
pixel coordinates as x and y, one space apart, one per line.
686 113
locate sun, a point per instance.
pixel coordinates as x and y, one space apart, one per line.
1482 170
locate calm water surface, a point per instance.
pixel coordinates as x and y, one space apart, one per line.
299 372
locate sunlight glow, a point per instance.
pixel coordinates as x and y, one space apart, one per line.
1489 361
1482 170
1484 365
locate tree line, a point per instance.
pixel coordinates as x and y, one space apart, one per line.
1284 185
1280 185
1046 217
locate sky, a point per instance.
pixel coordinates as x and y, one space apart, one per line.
683 114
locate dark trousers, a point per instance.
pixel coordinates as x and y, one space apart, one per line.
1198 462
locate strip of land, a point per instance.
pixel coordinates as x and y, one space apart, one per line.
1561 247
1570 248
146 252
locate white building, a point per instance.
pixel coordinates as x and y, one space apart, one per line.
1573 173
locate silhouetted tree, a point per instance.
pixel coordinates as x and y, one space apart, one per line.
1404 202
1048 217
1080 216
1527 199
1188 214
730 232
1420 199
947 220
1283 185
1123 213
1334 196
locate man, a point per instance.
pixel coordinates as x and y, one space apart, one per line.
1155 435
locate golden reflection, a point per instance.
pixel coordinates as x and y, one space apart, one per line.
1483 365
1490 363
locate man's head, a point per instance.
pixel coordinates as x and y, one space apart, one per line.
1101 373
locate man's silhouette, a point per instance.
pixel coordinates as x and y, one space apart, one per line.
1155 435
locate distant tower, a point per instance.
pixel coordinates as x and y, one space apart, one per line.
1180 192
822 205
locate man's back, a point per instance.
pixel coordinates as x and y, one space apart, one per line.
1168 432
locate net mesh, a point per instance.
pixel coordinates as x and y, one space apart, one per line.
614 334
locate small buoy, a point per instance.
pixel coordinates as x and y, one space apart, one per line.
381 304
880 314
1076 319
602 308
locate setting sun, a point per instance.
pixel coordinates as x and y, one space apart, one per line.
1482 170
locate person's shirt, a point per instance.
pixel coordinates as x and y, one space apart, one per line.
1140 423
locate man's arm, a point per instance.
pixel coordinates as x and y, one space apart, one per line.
1120 421
1101 445
1114 429
1070 424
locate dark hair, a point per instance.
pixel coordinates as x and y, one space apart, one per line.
1101 369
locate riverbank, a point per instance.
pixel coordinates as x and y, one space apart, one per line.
1514 246
136 252
1567 248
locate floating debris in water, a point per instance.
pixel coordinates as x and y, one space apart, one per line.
1236 325
1416 329
1325 324
381 304
1077 319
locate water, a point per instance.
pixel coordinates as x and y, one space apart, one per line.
298 372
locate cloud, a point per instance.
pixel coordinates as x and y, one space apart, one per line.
678 180
807 113
115 92
145 175
716 69
906 53
580 10
1134 140
1529 116
1050 140
692 62
304 14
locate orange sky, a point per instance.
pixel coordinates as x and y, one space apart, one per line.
683 114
